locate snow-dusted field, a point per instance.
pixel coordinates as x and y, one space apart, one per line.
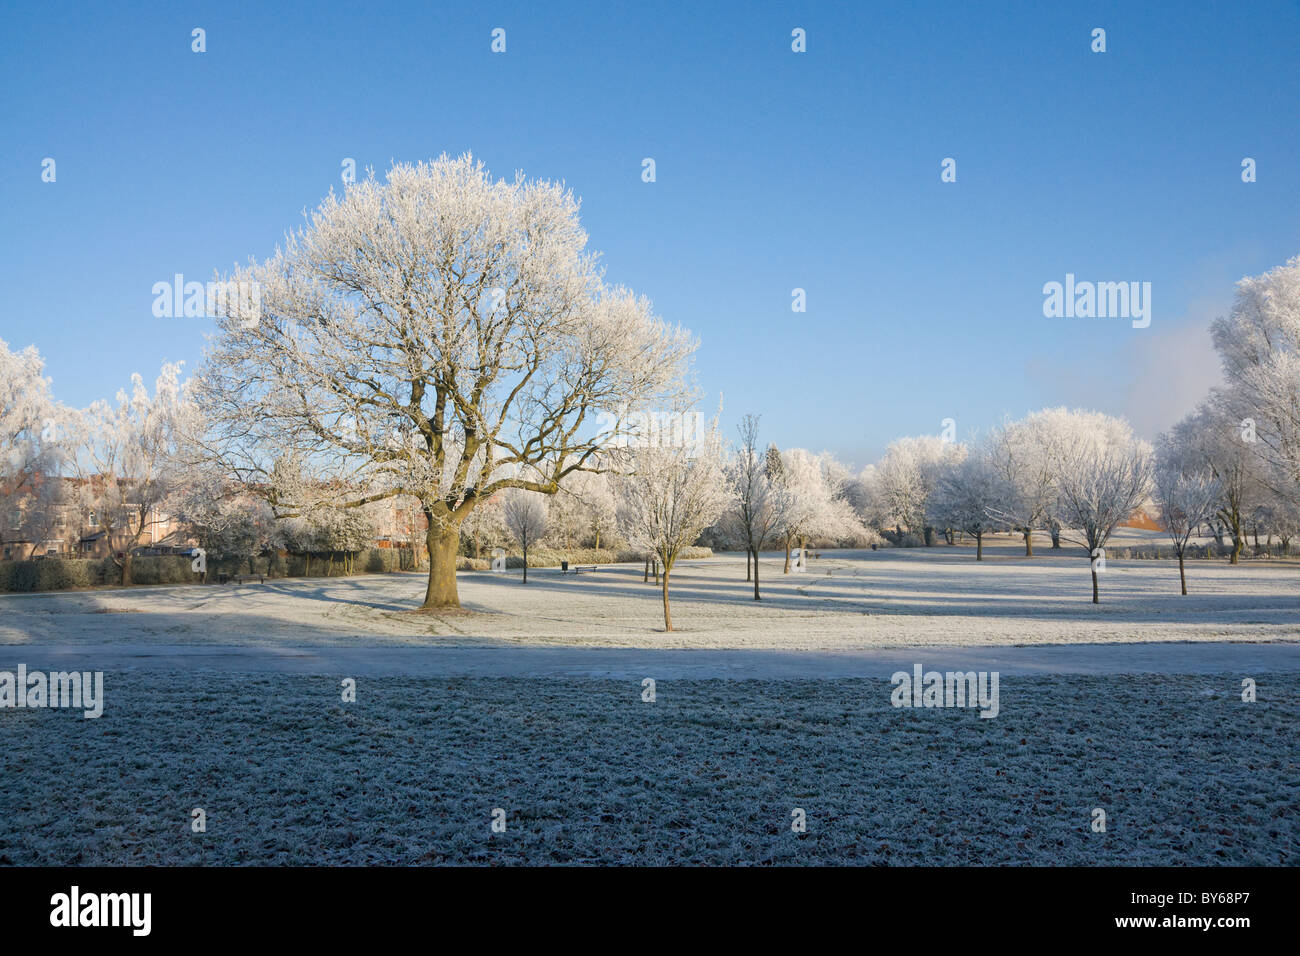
846 600
710 773
228 699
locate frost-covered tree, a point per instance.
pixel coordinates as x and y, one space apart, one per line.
595 505
1103 476
1284 521
344 532
228 521
1185 500
128 459
525 514
32 450
668 495
815 488
485 525
441 335
966 496
566 518
336 532
1212 438
1018 455
905 478
1259 346
760 508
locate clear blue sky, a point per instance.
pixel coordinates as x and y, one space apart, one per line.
775 170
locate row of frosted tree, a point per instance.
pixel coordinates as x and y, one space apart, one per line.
445 339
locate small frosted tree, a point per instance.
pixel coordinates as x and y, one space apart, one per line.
966 495
1018 456
1184 501
1104 475
228 521
668 495
1212 438
486 525
525 517
760 511
128 458
32 451
816 492
599 505
905 477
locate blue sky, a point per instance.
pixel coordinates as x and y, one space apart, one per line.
775 170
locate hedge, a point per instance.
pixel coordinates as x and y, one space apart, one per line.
55 574
551 558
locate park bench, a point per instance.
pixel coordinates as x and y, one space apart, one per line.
576 569
238 579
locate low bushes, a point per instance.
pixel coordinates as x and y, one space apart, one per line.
57 574
52 574
551 558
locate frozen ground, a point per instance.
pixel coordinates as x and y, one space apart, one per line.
846 601
710 772
228 699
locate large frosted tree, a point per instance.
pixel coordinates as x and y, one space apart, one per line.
1259 345
441 335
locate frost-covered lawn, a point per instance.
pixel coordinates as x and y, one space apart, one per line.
709 773
939 596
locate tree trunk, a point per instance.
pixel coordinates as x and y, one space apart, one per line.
787 555
597 539
979 546
126 567
442 546
668 618
748 575
646 578
1182 574
525 561
756 597
1029 542
1055 532
1095 598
